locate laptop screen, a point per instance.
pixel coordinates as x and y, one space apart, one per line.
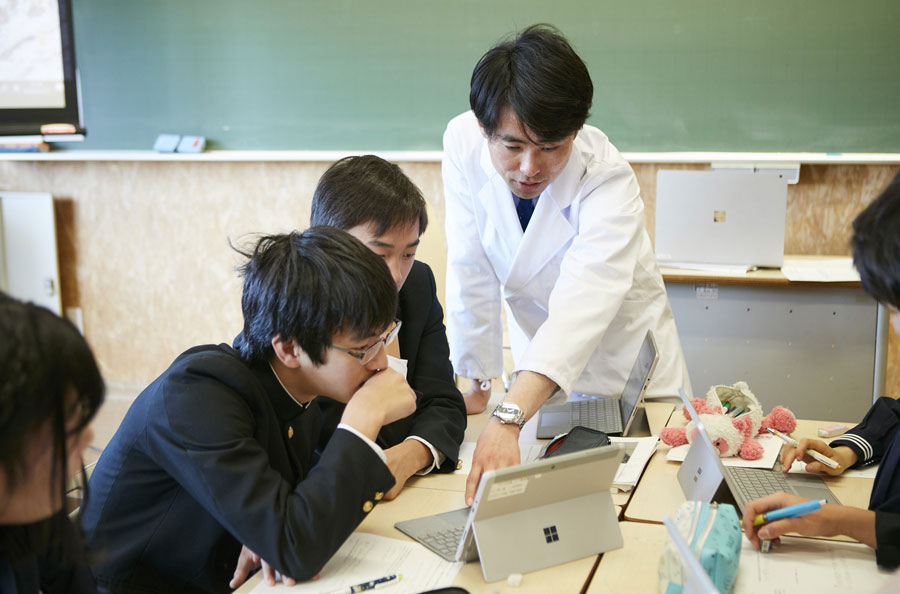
637 379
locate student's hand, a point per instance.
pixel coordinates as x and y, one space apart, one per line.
383 398
248 561
829 520
841 454
404 460
497 447
476 399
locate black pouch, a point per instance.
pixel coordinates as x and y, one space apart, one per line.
579 438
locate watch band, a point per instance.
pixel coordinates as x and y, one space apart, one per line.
484 384
509 413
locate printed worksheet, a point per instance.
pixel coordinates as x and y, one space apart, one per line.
366 557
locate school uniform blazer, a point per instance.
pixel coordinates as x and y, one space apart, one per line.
212 455
581 284
440 416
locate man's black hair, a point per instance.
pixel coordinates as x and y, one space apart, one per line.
367 189
876 246
48 378
309 286
540 77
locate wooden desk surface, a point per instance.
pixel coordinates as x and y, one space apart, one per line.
659 494
431 494
633 568
657 414
768 277
415 502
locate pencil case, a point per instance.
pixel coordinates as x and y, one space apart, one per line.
713 532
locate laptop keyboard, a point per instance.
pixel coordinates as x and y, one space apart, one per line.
603 415
755 483
445 541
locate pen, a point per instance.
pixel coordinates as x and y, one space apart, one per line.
820 457
388 580
791 511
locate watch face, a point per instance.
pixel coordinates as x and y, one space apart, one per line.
509 413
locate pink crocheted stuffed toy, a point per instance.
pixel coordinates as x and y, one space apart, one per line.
731 433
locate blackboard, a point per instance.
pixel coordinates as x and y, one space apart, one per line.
669 75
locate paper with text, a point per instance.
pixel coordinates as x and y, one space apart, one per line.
809 565
365 557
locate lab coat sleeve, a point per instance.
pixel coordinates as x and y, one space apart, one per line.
473 290
596 274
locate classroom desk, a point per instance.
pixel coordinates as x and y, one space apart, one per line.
819 348
657 415
416 502
658 494
634 567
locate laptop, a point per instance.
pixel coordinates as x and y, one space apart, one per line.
703 477
610 415
694 578
531 516
720 218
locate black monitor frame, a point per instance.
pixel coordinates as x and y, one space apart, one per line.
22 122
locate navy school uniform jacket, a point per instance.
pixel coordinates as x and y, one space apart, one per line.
876 439
440 416
212 455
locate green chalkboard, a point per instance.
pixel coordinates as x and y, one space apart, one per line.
669 75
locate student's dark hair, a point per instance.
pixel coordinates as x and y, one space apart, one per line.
367 189
876 245
48 377
540 77
309 286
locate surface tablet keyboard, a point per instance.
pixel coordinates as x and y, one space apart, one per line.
445 541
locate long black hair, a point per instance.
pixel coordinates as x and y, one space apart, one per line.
48 375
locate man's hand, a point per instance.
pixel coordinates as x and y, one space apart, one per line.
383 398
476 398
248 561
497 447
830 520
404 460
841 454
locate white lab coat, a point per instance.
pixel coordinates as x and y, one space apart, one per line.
581 285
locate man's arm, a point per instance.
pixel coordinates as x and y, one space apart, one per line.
207 439
473 290
440 417
498 444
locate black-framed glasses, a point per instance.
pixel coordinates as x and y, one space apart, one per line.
366 356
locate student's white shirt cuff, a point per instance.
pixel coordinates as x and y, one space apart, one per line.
436 457
368 441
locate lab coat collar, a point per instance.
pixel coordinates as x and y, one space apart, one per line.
549 230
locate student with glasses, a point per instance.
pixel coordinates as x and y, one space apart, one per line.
377 203
218 452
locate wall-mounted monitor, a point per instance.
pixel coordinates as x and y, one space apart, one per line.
39 92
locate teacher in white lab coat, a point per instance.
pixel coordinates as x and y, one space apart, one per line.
544 212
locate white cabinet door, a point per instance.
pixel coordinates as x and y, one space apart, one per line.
28 266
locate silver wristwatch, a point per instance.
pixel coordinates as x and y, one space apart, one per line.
508 413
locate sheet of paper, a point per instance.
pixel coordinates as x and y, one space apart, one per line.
829 270
637 453
868 472
365 557
809 565
771 447
730 269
